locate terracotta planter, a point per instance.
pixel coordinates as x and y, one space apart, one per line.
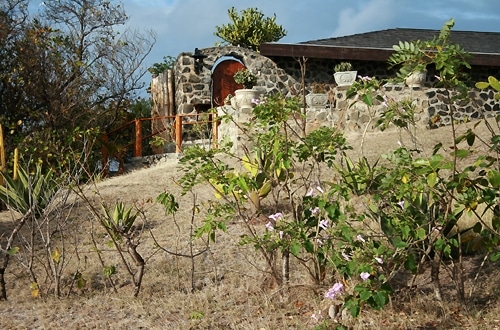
345 78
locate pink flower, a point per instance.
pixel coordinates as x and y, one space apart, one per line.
385 103
276 216
364 276
360 238
324 224
379 260
270 226
335 290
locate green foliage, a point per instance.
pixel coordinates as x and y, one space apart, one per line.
416 200
246 78
64 70
108 271
167 64
448 58
169 202
343 67
493 83
399 113
118 222
31 192
157 141
249 29
318 229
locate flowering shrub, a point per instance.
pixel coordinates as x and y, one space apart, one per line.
314 218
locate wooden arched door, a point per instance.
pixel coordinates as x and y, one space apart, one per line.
223 82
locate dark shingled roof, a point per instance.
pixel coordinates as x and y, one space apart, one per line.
377 46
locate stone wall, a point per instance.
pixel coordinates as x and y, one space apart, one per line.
353 115
195 89
283 75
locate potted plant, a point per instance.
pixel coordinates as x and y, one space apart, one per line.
344 74
412 57
246 78
317 99
243 98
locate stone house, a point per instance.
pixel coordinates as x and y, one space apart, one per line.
202 80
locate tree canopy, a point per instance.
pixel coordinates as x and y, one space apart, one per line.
71 68
249 29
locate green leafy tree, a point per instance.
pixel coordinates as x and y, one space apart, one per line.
249 29
68 70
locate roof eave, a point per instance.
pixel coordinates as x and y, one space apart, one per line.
354 53
329 52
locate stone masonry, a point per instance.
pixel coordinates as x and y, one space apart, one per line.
283 75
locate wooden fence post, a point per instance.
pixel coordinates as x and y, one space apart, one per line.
16 163
138 138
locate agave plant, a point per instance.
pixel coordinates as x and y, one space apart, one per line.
29 192
120 221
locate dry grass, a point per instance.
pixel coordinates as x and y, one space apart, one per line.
231 289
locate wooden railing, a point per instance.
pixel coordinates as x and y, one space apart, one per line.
176 122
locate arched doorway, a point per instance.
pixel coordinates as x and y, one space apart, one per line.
222 80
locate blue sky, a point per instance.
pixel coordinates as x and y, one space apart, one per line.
182 25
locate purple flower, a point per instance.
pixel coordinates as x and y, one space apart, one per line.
270 226
336 289
401 204
255 101
364 276
275 217
324 224
379 260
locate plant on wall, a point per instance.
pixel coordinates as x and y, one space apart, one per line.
249 29
449 58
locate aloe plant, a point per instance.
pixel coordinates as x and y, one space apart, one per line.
118 224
